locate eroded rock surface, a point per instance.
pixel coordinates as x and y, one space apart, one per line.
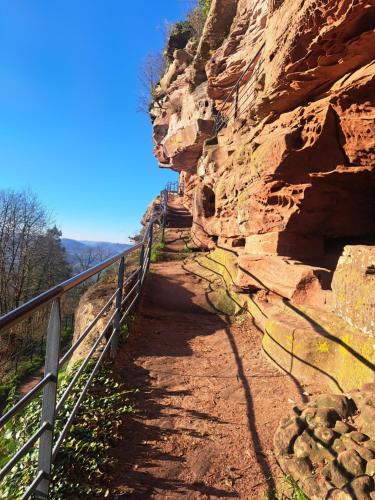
353 287
279 171
327 447
292 173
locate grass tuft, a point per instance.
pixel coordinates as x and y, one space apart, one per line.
156 251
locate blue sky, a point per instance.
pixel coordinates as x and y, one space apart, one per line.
69 128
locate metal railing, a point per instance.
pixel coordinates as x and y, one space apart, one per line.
173 187
118 307
164 195
240 95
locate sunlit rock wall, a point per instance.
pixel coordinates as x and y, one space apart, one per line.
290 178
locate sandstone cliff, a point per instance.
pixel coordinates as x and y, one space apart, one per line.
270 121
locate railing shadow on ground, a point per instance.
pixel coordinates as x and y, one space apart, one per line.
296 382
319 329
305 399
225 324
291 353
154 335
251 418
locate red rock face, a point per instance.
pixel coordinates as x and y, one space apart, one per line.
292 174
238 49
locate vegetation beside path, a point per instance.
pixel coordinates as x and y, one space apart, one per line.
83 463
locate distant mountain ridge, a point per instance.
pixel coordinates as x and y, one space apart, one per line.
115 247
84 254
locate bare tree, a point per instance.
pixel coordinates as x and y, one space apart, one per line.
22 220
154 64
31 260
89 257
150 73
85 259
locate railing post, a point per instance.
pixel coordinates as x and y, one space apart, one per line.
49 399
141 262
150 247
116 320
164 214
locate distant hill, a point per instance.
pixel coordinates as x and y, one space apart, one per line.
73 246
84 254
111 247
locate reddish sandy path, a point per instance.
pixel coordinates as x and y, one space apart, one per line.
31 381
209 400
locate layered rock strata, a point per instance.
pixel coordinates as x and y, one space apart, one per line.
278 168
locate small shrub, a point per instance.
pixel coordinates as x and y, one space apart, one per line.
298 494
155 251
205 7
197 17
289 490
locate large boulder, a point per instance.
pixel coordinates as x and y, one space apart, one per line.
353 287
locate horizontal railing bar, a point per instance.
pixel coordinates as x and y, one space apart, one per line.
147 253
241 77
129 293
129 278
247 91
147 231
129 308
143 274
33 485
88 329
68 390
23 450
32 305
145 263
78 402
44 298
26 399
35 303
145 267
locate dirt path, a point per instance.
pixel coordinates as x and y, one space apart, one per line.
31 381
209 400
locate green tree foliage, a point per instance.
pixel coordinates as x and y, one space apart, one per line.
32 260
49 265
177 36
204 6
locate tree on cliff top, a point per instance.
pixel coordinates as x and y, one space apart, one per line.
205 7
150 73
178 35
197 17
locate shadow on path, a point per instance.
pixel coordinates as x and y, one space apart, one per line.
170 315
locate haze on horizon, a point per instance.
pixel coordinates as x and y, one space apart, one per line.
70 130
